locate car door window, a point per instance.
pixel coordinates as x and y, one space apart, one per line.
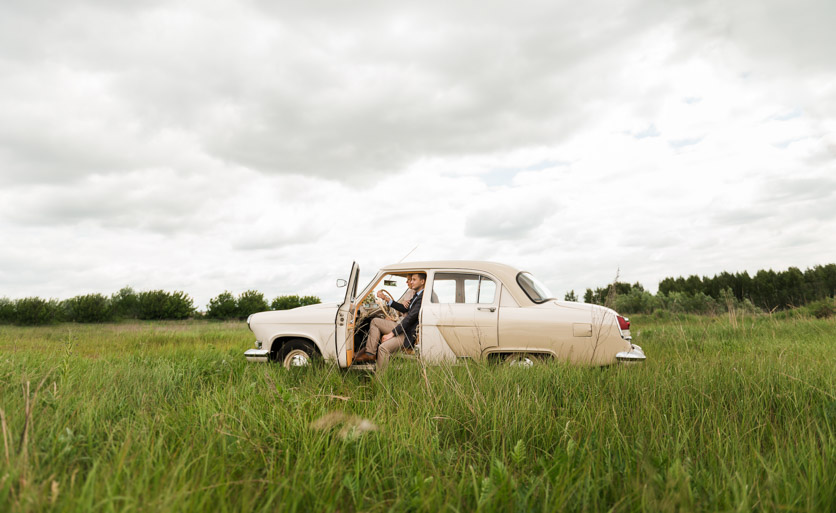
487 291
471 289
444 289
463 288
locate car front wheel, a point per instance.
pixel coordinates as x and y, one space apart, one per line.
297 353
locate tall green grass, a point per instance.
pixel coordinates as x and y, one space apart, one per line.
726 414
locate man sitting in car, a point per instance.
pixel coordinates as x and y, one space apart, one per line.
403 301
396 336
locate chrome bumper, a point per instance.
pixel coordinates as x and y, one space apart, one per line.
634 355
257 355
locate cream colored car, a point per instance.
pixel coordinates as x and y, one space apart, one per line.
475 310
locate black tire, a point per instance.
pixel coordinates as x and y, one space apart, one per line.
297 353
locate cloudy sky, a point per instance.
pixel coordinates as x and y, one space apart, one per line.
210 145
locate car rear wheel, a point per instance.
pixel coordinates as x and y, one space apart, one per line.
297 353
523 360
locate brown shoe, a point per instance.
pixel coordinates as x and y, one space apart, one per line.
365 358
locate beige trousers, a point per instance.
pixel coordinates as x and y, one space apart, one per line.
380 327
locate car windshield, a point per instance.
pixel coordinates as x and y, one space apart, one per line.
534 288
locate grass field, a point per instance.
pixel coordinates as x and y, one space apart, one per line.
169 417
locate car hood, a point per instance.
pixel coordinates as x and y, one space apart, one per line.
321 313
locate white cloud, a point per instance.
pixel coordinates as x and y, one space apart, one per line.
228 145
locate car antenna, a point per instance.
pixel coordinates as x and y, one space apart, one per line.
413 249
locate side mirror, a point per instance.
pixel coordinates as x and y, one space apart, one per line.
341 283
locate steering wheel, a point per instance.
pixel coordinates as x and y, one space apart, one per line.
384 306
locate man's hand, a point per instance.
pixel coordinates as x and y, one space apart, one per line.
386 337
380 294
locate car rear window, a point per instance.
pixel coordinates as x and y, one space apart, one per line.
534 288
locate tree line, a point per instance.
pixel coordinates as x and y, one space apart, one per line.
767 290
146 305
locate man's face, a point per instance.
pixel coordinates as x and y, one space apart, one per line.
415 282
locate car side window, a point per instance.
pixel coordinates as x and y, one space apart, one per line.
487 291
463 288
471 289
444 289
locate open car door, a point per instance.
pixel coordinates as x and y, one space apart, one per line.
344 323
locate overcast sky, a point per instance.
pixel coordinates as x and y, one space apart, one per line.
227 145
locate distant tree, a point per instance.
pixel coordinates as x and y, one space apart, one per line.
7 310
744 282
288 302
570 296
693 284
791 288
764 291
159 304
250 302
125 303
152 304
89 308
814 283
589 296
181 305
667 286
224 306
599 296
828 274
767 289
32 311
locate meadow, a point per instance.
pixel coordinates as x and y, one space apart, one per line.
727 414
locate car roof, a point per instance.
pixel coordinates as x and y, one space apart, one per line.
492 267
506 273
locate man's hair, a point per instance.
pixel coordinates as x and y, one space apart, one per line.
423 276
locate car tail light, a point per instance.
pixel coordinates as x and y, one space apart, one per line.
623 322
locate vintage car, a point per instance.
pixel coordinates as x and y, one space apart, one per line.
474 310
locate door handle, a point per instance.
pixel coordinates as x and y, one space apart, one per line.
487 308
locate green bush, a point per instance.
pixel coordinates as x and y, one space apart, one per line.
223 306
33 311
822 309
684 302
250 302
153 304
747 307
181 305
288 302
125 303
636 301
159 304
662 314
89 308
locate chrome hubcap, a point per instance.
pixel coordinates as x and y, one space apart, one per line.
522 361
296 358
